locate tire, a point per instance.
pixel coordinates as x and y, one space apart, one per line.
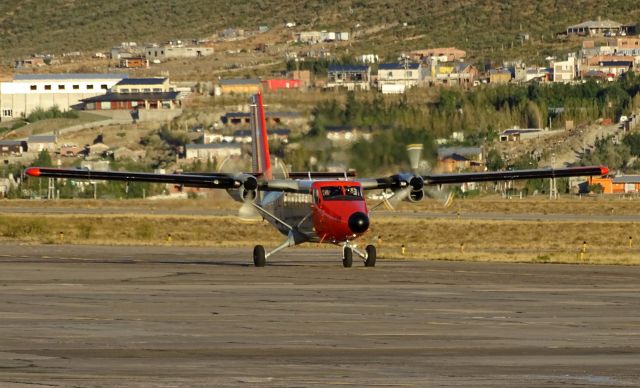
347 257
259 259
371 256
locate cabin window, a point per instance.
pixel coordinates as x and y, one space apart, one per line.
340 193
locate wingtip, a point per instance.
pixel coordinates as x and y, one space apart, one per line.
32 171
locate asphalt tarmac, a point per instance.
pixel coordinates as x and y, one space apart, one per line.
170 316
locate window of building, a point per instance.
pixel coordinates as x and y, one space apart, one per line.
33 87
7 113
135 90
76 87
124 90
104 87
60 87
157 90
47 87
146 90
409 74
162 52
89 87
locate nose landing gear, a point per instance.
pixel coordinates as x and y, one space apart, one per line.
368 256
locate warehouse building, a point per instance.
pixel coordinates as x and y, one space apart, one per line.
27 92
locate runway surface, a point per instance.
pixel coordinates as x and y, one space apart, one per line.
171 316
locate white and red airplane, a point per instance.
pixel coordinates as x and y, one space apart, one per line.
312 206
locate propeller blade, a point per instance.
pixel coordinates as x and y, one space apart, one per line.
397 197
446 197
248 213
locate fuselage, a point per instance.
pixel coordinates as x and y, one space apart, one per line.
331 212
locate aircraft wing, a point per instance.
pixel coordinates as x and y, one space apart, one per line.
400 181
441 179
214 181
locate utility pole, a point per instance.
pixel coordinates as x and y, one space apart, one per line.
553 187
51 190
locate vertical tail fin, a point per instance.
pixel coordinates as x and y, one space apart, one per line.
261 159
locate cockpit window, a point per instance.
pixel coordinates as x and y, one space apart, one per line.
340 193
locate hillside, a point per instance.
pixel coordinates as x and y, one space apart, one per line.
486 28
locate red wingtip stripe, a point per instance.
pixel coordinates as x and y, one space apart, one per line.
604 171
33 171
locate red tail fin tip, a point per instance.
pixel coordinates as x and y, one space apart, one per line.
265 163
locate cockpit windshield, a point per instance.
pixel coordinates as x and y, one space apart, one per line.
341 193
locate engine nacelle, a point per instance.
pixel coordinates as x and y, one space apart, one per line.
416 196
248 191
409 187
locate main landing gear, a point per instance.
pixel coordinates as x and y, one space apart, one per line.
368 256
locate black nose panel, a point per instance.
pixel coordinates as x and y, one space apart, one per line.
358 222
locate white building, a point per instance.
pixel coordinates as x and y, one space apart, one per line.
564 71
211 151
397 77
28 92
168 51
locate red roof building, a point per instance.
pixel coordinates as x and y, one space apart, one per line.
278 84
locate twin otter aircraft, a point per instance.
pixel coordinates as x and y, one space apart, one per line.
312 206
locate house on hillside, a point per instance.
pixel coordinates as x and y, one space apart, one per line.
134 94
281 84
239 86
176 49
564 71
454 159
601 28
42 142
134 63
614 68
351 77
396 77
500 76
453 74
212 151
445 54
12 147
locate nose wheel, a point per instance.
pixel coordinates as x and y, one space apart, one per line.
368 256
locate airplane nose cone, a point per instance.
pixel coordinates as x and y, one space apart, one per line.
358 222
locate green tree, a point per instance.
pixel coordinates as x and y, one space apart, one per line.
494 160
43 159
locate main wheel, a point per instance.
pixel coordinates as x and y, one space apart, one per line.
259 259
347 257
371 256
